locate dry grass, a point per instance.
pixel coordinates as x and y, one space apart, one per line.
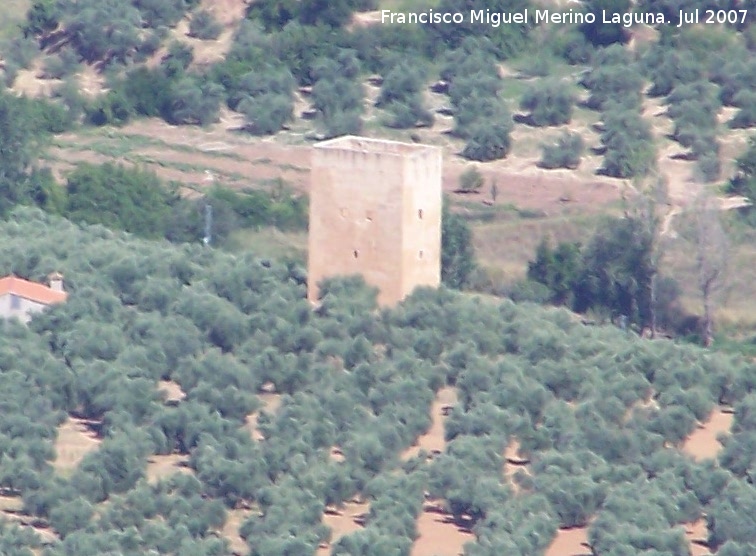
75 440
509 245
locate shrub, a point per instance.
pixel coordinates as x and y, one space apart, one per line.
204 26
267 113
339 103
746 116
565 152
549 102
614 83
488 141
194 103
112 108
124 198
629 144
401 95
457 254
471 180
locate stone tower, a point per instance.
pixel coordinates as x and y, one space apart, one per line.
375 210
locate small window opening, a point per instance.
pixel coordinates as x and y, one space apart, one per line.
343 213
356 253
15 302
420 254
420 214
369 216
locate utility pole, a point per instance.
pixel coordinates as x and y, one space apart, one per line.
207 240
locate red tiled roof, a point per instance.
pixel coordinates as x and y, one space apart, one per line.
31 290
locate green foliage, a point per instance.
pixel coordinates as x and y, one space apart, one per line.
480 116
599 33
113 108
557 269
104 29
123 198
613 78
283 209
744 180
629 144
156 13
351 376
42 17
265 97
457 254
471 180
488 141
616 271
675 68
401 94
565 152
16 151
746 116
146 91
338 96
549 103
204 26
507 40
194 103
275 15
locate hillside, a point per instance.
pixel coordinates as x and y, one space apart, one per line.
188 400
228 416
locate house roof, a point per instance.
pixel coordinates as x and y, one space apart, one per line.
30 290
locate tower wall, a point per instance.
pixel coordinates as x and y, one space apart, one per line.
375 210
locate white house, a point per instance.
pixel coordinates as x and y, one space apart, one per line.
21 298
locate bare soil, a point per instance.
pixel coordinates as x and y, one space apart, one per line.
75 440
164 467
343 521
11 509
234 520
698 535
570 542
171 391
433 441
703 443
513 463
271 401
439 534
